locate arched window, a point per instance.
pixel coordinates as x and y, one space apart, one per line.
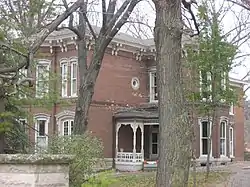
41 131
65 122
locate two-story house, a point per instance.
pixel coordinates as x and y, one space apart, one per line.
123 111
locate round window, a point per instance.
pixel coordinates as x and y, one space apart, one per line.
135 83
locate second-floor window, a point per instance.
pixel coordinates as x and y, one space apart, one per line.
153 93
73 78
69 77
42 78
205 85
64 71
22 92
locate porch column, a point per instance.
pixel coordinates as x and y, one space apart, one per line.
134 127
118 125
142 139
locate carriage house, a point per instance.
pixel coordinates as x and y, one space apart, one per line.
124 109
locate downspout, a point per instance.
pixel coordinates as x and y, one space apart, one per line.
113 142
55 87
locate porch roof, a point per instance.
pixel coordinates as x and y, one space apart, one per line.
143 112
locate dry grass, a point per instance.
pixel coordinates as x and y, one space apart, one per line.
148 179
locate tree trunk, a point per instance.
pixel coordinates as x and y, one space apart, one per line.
2 110
87 85
175 145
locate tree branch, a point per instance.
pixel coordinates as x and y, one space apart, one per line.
89 25
5 46
111 9
239 4
104 13
70 25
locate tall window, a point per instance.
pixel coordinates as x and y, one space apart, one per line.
73 78
223 138
41 127
64 71
231 142
42 78
23 123
69 69
154 143
224 80
231 109
205 131
22 92
205 85
67 126
153 87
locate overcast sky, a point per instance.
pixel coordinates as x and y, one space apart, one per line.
144 12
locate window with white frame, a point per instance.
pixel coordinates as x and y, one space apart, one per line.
23 123
21 91
231 109
153 87
205 132
42 78
64 72
231 141
69 69
73 77
223 138
67 126
41 135
205 85
224 81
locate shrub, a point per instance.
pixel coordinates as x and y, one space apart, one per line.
87 150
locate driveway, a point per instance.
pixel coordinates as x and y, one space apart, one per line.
240 175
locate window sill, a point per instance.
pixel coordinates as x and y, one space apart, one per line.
153 101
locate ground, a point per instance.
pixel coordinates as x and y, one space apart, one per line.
233 175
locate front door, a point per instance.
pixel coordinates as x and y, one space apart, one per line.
154 142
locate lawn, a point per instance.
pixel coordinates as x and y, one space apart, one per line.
148 179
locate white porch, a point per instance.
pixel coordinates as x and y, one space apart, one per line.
127 160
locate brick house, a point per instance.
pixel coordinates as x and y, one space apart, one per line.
123 112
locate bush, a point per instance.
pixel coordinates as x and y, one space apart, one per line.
87 150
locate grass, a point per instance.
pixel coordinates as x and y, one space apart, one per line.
148 179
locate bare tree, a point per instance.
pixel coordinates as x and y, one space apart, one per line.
112 21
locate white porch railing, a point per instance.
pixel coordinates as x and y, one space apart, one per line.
129 157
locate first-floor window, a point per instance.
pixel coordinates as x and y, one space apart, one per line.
154 143
41 133
231 141
205 132
23 123
223 138
67 127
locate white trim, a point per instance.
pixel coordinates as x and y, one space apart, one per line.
73 61
151 87
63 116
46 118
43 62
231 154
200 120
137 83
225 121
64 79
